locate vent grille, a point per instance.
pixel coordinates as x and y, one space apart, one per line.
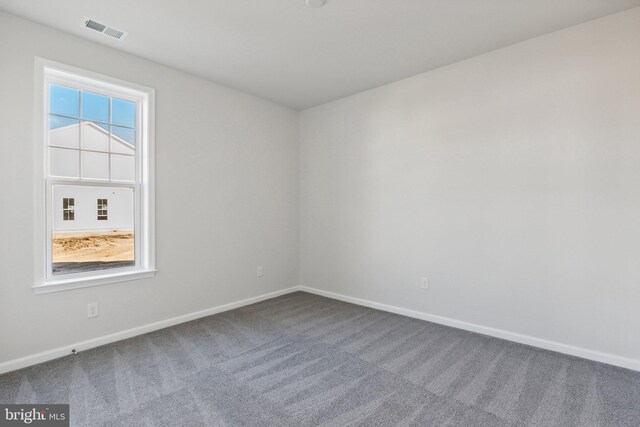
114 33
95 25
104 29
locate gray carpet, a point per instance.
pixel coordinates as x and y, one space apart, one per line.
302 360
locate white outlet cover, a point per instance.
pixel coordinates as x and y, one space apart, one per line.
316 3
92 309
424 284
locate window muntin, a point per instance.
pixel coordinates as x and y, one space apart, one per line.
91 136
103 214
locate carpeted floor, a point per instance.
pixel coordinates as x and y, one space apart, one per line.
302 359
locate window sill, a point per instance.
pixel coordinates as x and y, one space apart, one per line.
85 282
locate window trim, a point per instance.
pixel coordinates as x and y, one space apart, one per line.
47 71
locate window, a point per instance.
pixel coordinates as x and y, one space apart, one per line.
102 210
68 212
97 145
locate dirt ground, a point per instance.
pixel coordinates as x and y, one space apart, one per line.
95 246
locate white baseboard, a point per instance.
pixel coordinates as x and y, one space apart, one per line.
45 356
597 356
584 353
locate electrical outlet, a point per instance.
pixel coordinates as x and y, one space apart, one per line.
424 284
92 309
260 271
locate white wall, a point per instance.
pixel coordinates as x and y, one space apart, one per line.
226 197
511 180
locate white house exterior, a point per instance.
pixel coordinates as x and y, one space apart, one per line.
103 157
119 208
88 208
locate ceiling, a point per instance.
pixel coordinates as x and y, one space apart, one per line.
297 56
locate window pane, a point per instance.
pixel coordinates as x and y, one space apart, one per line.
95 107
64 101
56 122
64 162
63 132
90 243
95 165
95 137
123 113
123 168
126 134
120 147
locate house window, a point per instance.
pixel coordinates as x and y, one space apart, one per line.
102 210
68 212
97 138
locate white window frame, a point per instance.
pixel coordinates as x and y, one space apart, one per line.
47 72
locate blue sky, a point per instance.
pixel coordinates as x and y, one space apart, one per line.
65 101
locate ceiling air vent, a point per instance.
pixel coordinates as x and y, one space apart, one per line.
104 29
